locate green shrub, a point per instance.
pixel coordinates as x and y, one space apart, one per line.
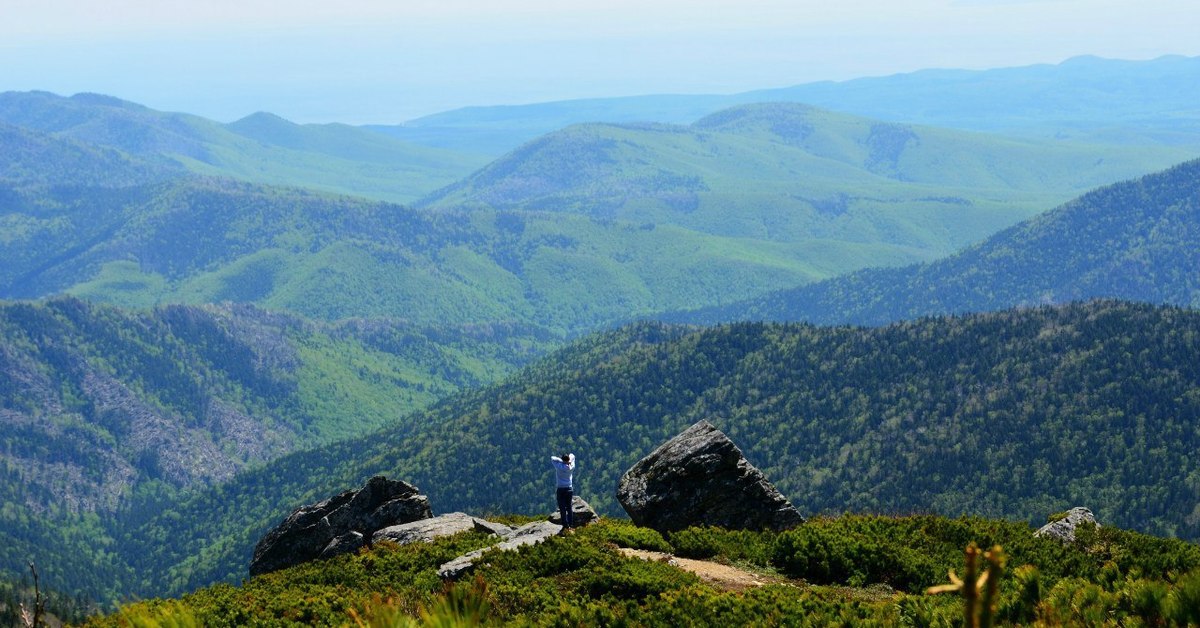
733 545
822 555
1183 606
625 534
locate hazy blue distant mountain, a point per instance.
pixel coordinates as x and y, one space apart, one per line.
260 148
793 173
1135 240
498 129
1084 98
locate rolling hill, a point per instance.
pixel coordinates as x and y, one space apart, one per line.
260 148
212 240
793 173
1134 240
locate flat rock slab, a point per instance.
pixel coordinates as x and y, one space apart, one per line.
425 530
700 478
528 534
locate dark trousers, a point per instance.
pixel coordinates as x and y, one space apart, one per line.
564 496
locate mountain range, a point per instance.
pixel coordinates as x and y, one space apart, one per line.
792 173
260 148
587 226
1084 98
282 328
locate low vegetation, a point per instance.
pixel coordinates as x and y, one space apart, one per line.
861 570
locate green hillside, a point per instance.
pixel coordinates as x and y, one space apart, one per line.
1134 240
101 406
212 240
1013 414
791 173
260 148
31 158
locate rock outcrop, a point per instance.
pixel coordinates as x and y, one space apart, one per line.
1063 530
701 478
580 510
528 534
425 530
338 525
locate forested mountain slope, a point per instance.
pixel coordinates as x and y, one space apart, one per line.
1134 240
99 405
1009 414
792 173
212 240
33 158
260 148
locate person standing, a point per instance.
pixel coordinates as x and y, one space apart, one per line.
564 471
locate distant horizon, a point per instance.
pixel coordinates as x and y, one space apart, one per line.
381 62
581 98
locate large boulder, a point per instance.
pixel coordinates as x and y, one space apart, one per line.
1063 529
339 524
701 478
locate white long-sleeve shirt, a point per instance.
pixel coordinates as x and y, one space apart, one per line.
563 470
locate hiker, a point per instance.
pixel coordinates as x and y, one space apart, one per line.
564 466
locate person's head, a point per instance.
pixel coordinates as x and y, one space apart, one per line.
565 457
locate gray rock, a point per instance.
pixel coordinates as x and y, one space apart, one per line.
1063 530
701 478
344 544
426 530
491 527
528 534
581 511
309 530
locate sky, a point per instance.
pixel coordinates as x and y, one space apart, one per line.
387 61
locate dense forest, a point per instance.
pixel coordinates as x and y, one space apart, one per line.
100 405
1134 240
1013 414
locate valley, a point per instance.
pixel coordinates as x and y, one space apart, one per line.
930 306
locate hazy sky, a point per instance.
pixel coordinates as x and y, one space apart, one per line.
388 61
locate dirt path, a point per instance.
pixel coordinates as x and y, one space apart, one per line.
721 576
